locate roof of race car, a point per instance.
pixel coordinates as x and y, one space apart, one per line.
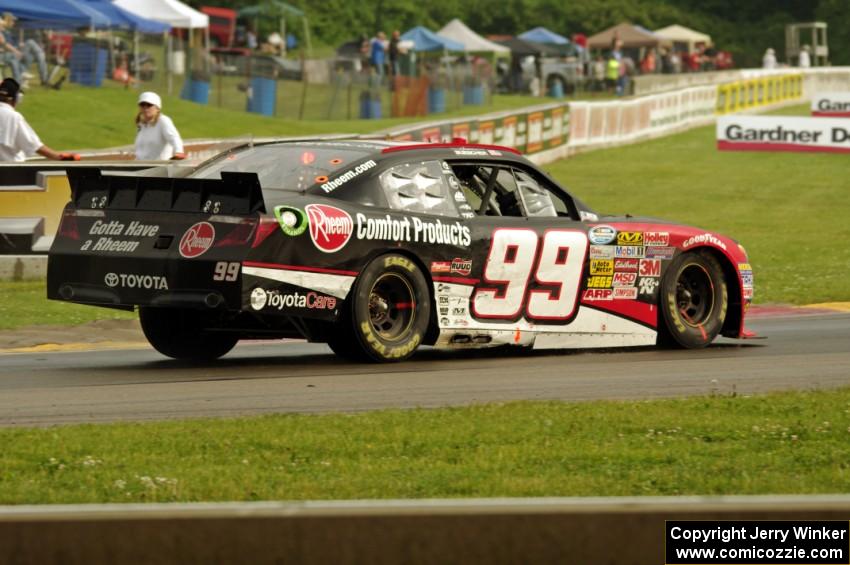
459 145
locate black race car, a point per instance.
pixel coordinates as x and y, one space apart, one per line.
378 247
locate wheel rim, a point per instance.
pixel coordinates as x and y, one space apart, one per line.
695 295
391 306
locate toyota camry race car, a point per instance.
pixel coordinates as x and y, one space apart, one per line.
377 248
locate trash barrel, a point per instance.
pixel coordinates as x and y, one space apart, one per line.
370 105
556 89
473 95
88 63
196 91
263 96
436 100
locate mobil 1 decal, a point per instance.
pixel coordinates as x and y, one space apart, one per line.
531 275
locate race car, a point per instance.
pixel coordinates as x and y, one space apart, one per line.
377 248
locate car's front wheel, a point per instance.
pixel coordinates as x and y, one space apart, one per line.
182 334
387 313
693 301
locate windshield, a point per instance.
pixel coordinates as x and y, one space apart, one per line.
288 167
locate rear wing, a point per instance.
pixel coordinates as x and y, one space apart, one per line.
235 193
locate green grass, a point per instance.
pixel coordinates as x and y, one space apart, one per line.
788 209
25 304
781 443
79 117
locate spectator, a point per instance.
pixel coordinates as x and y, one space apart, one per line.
17 139
769 59
21 59
805 57
647 64
251 39
612 72
598 73
393 53
157 138
377 54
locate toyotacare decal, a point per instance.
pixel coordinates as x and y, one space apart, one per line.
197 240
332 185
330 227
416 230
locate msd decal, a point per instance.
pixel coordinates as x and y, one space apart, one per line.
624 279
197 240
330 227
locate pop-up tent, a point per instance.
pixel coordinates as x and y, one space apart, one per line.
426 40
171 12
543 35
632 36
472 42
276 9
684 38
61 14
122 19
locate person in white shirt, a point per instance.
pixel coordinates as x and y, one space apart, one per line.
769 59
17 139
157 138
805 58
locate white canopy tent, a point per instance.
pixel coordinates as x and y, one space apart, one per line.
176 14
472 42
684 35
172 12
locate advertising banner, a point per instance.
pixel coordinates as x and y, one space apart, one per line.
783 133
831 104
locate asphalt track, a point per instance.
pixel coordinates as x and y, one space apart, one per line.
808 351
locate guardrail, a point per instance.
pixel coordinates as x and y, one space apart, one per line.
625 531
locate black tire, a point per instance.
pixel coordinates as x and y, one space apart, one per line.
182 334
387 314
693 301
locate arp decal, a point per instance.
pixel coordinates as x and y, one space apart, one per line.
330 227
593 294
197 240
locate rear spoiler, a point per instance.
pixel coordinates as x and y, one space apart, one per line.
235 193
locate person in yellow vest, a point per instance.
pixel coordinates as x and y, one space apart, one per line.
612 73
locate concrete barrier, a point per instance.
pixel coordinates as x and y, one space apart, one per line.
493 531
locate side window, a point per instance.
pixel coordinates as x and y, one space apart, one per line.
536 201
419 187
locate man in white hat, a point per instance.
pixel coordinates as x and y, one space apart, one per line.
157 138
17 139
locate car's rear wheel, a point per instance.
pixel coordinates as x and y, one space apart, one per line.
387 313
693 301
183 334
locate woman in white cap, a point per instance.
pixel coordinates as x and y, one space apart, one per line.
157 138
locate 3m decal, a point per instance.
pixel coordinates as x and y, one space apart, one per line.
601 266
330 227
332 185
601 235
650 268
630 238
197 240
530 275
656 238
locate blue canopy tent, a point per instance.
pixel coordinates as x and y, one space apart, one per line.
35 14
543 35
426 40
122 19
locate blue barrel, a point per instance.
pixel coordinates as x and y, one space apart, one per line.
370 106
473 95
263 96
556 90
436 100
196 91
88 64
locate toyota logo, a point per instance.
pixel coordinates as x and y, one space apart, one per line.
111 279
